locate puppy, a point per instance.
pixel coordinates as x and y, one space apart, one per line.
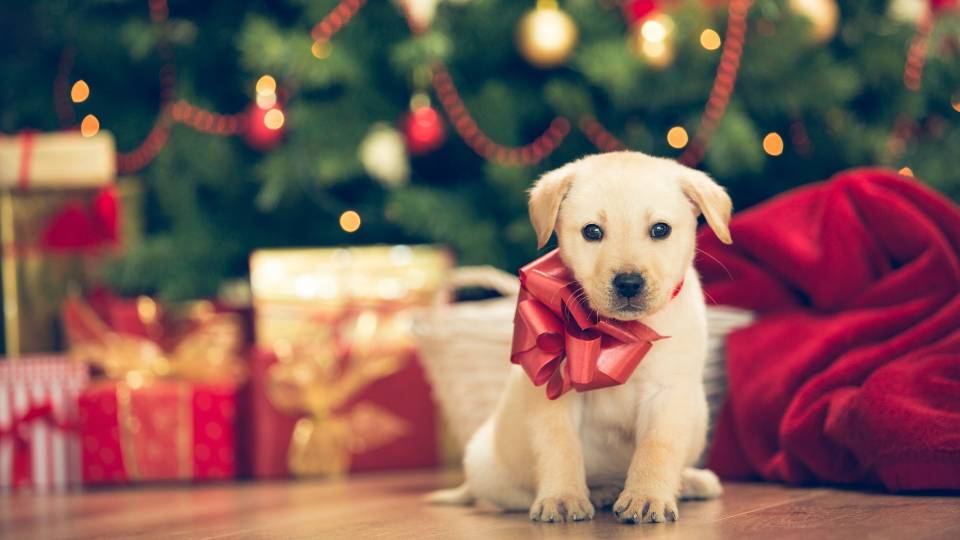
626 225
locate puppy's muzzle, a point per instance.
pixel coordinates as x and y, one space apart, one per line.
629 285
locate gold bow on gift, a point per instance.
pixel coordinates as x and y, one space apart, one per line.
319 376
209 349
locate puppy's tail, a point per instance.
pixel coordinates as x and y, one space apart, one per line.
699 484
459 495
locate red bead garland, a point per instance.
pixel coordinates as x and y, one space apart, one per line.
482 144
723 83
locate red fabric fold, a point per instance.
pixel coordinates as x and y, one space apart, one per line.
560 342
851 374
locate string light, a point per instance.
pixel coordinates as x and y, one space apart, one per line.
710 39
906 171
266 101
89 126
773 144
350 221
273 119
677 137
955 102
654 29
79 92
266 85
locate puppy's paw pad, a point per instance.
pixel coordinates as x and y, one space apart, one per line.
604 496
561 508
699 484
635 507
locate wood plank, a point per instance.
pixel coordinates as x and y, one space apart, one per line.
390 506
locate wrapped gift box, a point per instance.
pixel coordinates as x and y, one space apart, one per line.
61 216
39 442
160 431
336 384
58 160
164 406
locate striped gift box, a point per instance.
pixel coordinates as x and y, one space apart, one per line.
39 444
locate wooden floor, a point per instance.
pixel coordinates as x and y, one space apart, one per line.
389 506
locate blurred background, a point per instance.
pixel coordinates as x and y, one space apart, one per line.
156 153
252 124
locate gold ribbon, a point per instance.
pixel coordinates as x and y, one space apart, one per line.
317 377
208 349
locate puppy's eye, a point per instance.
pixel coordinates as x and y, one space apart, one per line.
592 232
659 231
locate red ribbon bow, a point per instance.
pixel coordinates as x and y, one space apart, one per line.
552 324
22 443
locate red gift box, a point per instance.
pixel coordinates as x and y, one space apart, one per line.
390 424
39 445
163 430
167 406
335 382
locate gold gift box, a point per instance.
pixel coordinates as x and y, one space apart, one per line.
294 289
35 279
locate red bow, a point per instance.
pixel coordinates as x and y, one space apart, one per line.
552 324
22 443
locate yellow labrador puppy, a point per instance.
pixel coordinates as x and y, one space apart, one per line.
626 225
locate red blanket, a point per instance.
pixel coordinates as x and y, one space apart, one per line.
852 373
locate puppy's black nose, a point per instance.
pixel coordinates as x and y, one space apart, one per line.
628 285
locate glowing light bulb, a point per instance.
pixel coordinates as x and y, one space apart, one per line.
710 39
273 119
266 101
653 30
677 137
266 85
906 171
79 92
350 221
955 102
773 144
89 126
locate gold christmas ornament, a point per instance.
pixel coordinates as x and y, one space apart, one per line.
546 35
824 16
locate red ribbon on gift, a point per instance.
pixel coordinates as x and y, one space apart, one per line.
559 341
22 445
79 228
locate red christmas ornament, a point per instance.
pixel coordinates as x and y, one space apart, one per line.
938 6
423 130
637 10
265 127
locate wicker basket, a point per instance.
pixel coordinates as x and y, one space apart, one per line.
465 349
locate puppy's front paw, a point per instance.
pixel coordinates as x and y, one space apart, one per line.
562 508
636 507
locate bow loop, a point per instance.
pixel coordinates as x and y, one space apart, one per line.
559 341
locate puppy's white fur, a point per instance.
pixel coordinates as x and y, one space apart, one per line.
632 445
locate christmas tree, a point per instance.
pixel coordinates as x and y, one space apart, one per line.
292 123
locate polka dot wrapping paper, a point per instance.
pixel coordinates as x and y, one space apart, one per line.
161 431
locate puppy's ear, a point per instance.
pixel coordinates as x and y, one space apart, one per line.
711 199
545 198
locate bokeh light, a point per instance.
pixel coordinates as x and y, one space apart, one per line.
350 221
89 126
79 92
773 144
